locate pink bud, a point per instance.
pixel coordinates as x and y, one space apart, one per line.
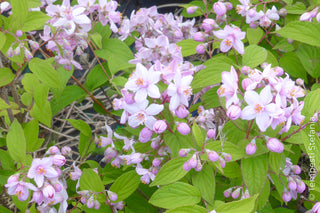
192 9
57 186
316 208
211 133
228 5
222 162
48 191
156 162
159 126
286 196
301 186
234 112
193 161
53 150
59 160
10 52
252 12
186 166
184 152
283 12
228 192
181 112
66 151
236 193
13 178
34 45
279 71
226 156
318 17
299 82
253 24
219 8
113 196
96 205
264 65
199 166
90 202
251 148
37 197
209 24
292 185
212 155
245 70
19 33
296 169
155 143
274 145
27 54
199 36
201 48
290 41
145 135
16 51
245 83
183 128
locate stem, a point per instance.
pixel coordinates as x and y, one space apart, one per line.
294 132
249 128
94 99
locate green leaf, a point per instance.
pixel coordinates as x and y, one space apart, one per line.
16 142
254 35
6 76
298 8
6 160
228 147
170 172
3 104
241 206
91 181
29 82
31 131
271 59
117 53
42 113
97 77
82 126
40 94
137 203
312 144
311 103
188 47
264 195
4 210
119 81
292 65
275 160
177 142
197 12
125 185
45 72
303 31
254 55
188 209
19 14
212 73
68 95
34 3
35 21
206 183
310 59
97 39
3 39
175 195
21 205
197 134
85 145
254 173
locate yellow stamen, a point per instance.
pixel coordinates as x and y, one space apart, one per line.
258 108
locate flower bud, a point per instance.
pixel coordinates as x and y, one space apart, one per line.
199 166
201 48
90 202
186 166
234 112
228 5
96 205
193 161
228 192
245 70
66 151
226 156
16 51
13 178
212 155
181 112
219 8
299 82
301 186
251 148
37 197
10 52
253 24
292 185
199 36
192 9
19 33
222 162
316 208
296 169
290 41
209 24
184 152
236 193
53 150
59 160
211 133
283 12
159 126
279 71
27 54
155 143
156 162
286 196
252 12
274 145
183 128
112 196
245 83
264 65
49 191
34 45
145 135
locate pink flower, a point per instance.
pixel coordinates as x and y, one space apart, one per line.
41 168
76 174
233 112
251 147
229 87
179 91
143 83
20 189
232 37
104 141
146 174
192 9
145 135
316 208
274 145
159 126
261 108
219 8
183 128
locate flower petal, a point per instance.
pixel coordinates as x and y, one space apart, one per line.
154 109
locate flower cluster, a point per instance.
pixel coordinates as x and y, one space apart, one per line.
234 192
308 16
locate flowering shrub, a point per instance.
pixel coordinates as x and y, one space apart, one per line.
215 109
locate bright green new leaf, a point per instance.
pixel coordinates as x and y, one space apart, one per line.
275 160
85 145
31 131
303 31
6 76
42 113
205 181
97 77
3 104
311 104
91 181
264 195
197 134
241 206
254 173
97 39
3 39
82 126
175 195
254 55
254 35
16 142
35 21
19 14
4 210
170 172
45 72
40 94
188 47
125 185
312 144
188 209
298 8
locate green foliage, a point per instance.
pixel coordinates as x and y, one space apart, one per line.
188 47
206 183
16 142
6 76
254 55
241 206
91 181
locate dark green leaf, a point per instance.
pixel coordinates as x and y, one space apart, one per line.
310 59
292 65
31 131
254 35
188 209
6 160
